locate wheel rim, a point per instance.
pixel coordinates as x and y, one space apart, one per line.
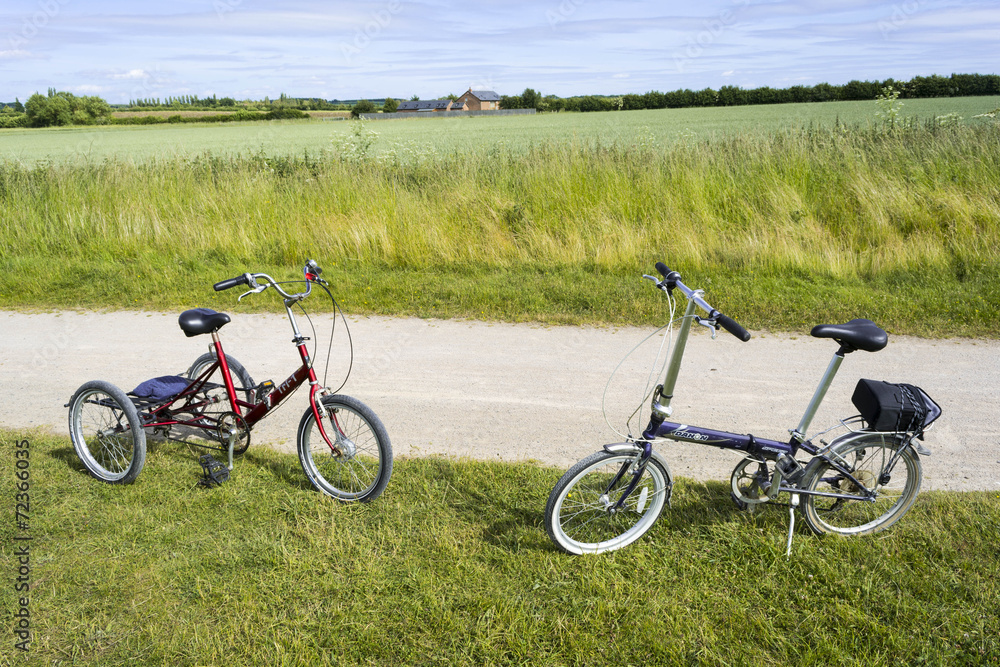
853 517
353 470
582 520
104 435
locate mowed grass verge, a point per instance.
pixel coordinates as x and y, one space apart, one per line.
782 229
452 565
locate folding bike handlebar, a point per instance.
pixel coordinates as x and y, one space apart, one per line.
672 279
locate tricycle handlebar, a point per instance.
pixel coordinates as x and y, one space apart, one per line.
311 272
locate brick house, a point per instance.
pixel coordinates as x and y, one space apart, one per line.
480 100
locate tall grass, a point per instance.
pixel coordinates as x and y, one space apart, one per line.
914 210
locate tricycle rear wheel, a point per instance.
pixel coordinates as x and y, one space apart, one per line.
107 432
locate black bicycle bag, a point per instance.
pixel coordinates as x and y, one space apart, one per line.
894 407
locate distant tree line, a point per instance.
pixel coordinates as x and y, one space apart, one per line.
238 115
12 115
956 85
63 108
195 103
182 102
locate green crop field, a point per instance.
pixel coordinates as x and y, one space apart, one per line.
790 213
444 136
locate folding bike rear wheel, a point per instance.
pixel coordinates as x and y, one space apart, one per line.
580 517
107 432
866 458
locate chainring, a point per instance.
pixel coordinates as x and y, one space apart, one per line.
748 485
231 423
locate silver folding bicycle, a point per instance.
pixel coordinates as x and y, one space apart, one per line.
862 481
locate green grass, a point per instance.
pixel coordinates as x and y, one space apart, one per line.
452 565
782 228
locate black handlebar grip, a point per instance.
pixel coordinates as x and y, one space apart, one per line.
232 282
732 326
662 268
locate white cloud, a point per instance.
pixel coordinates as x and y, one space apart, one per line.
87 89
131 74
15 54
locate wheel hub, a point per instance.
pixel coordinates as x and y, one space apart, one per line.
865 477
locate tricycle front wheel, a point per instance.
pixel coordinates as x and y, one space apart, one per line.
358 466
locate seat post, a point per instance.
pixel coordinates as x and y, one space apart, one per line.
831 372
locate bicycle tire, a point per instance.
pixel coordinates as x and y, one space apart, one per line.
107 432
583 524
244 390
866 457
360 470
244 385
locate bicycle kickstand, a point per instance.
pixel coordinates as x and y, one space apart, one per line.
791 523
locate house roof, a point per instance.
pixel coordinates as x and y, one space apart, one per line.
420 105
484 95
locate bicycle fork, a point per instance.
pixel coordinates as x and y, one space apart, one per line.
340 445
638 468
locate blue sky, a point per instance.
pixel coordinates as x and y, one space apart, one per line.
347 50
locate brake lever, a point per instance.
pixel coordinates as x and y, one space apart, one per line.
257 289
660 284
710 324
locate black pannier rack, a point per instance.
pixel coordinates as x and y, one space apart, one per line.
894 407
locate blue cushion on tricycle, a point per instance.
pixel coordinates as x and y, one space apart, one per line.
161 388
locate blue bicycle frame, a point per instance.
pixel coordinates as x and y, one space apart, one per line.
759 448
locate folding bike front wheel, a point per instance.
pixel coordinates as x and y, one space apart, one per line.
580 516
107 432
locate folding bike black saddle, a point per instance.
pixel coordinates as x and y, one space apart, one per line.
858 334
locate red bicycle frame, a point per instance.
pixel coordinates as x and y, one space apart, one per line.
164 415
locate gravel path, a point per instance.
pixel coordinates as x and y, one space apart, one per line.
518 392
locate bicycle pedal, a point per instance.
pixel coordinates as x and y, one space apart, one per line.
215 473
263 389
